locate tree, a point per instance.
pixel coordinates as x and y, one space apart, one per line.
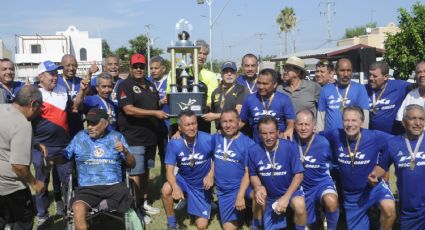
139 45
405 48
287 21
106 49
359 30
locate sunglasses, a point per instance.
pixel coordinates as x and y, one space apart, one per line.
138 66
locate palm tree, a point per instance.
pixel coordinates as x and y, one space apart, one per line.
287 21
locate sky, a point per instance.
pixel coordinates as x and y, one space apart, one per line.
244 26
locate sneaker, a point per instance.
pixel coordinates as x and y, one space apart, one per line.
42 221
59 208
147 219
150 210
180 205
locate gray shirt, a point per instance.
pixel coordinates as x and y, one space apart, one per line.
2 96
15 147
304 97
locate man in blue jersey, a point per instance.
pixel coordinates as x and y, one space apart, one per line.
406 152
99 155
335 97
355 151
385 98
315 154
248 78
276 174
268 102
191 153
52 130
159 79
7 76
231 171
101 100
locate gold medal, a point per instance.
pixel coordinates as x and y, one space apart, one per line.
225 156
412 164
221 104
192 162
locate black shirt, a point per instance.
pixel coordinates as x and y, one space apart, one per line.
138 131
221 101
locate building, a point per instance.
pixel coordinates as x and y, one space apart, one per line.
375 37
33 49
4 52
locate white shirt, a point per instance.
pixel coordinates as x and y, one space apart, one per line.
413 97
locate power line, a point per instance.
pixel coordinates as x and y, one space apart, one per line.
328 12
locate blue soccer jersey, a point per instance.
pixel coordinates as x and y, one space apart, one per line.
384 105
97 102
410 185
114 93
251 87
161 87
316 161
331 98
193 161
286 161
354 173
278 105
72 85
229 166
11 92
98 163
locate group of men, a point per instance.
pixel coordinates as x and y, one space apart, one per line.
275 145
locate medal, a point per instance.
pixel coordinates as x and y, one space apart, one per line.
300 148
223 95
353 154
375 100
226 145
191 151
413 153
266 108
192 162
225 156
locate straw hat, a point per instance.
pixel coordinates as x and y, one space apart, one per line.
297 63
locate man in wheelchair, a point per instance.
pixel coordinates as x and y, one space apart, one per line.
99 155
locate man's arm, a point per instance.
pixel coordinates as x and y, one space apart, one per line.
283 201
171 179
289 131
366 119
209 178
320 123
259 189
132 110
240 198
24 173
376 174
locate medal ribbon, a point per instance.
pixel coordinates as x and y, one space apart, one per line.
413 153
300 148
274 156
375 100
345 95
353 155
191 151
224 94
10 91
251 89
226 146
270 102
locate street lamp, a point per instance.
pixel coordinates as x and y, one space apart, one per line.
211 23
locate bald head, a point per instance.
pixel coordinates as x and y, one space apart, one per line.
70 66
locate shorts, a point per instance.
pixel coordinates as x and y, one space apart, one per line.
226 204
117 196
314 195
17 207
413 221
141 154
198 199
272 220
356 205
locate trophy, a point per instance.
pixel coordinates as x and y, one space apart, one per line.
180 97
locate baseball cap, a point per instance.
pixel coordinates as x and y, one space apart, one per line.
47 66
95 115
138 58
229 65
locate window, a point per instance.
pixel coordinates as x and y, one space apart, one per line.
36 49
83 54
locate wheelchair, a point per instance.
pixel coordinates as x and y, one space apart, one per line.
97 218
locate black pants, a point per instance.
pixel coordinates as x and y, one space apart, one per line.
17 208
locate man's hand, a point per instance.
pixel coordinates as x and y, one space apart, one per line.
177 193
208 182
373 179
240 203
176 135
93 68
282 204
161 114
260 195
39 187
43 149
287 134
119 147
211 116
163 101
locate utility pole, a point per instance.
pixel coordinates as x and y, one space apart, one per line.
230 50
148 27
328 12
261 37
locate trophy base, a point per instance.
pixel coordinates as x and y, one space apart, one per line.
185 101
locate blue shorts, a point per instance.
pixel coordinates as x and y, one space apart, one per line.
272 220
314 195
226 204
198 200
413 221
356 205
141 155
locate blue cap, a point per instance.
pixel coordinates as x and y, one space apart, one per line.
47 66
229 65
